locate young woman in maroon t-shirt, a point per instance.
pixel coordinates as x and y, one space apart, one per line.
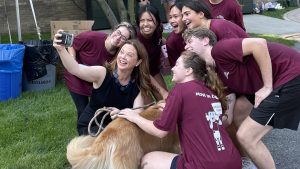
175 43
194 107
150 34
197 14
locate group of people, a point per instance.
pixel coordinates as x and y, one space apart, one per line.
221 76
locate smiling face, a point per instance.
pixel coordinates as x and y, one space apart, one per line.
120 36
148 24
175 19
127 57
196 45
201 47
179 71
192 44
191 18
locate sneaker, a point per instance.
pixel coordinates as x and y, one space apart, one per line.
247 163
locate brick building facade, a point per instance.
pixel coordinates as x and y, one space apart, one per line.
45 10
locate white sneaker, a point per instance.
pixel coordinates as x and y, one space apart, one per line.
247 163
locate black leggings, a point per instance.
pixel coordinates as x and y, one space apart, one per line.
80 102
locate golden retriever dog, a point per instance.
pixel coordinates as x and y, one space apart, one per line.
120 145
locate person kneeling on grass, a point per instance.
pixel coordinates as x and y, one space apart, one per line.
195 106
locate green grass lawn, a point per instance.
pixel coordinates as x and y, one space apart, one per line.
278 13
35 129
168 80
275 38
25 37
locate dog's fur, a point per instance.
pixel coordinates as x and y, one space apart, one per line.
120 145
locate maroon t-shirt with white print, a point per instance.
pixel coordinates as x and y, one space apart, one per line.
241 74
90 50
195 111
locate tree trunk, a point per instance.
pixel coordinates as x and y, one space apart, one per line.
108 13
131 12
122 10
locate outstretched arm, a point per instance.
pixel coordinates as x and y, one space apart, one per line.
161 90
72 52
259 49
144 124
95 74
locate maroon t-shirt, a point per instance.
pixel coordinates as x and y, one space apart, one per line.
241 74
229 10
175 45
204 141
90 50
153 47
225 29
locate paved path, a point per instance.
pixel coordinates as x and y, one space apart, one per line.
255 23
284 144
293 15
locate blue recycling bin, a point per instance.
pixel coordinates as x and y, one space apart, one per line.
11 64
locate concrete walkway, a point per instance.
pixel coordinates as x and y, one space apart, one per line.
283 144
293 15
289 27
260 24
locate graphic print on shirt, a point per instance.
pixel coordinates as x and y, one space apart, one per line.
226 74
220 17
213 117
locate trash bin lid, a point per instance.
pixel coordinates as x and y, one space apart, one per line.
11 56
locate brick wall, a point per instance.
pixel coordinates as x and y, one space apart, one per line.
45 10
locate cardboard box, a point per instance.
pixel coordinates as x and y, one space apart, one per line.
71 26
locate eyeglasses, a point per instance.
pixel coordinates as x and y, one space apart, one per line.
130 28
123 38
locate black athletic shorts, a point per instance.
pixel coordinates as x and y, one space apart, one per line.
173 164
281 109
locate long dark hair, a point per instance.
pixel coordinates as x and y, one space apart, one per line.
152 11
208 76
199 6
141 73
178 5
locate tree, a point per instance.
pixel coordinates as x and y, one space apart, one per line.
125 15
108 13
131 12
122 10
